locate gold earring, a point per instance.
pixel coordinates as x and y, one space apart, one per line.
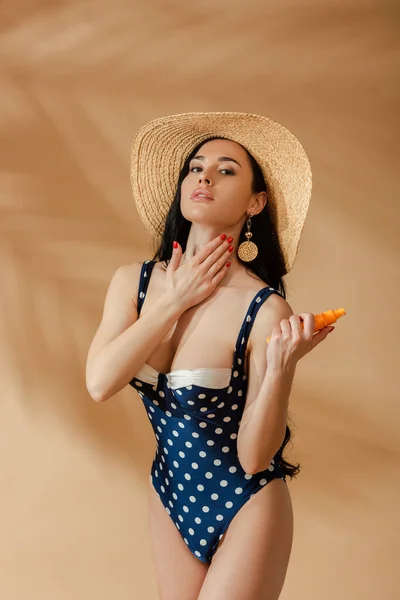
248 251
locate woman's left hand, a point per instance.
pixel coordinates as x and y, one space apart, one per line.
289 342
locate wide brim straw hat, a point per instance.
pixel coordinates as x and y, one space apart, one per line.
160 148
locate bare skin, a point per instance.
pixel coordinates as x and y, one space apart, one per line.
258 541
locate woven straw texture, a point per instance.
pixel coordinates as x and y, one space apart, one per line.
160 148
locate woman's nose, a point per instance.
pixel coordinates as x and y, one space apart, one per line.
206 179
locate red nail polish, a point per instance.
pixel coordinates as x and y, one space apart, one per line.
223 236
230 239
228 264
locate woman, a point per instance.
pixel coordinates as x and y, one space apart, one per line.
226 193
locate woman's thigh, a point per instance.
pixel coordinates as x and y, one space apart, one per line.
179 573
252 558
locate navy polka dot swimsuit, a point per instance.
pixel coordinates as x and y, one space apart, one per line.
196 471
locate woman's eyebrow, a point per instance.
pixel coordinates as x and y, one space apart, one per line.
220 159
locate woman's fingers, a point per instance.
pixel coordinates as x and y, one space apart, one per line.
320 336
308 320
303 327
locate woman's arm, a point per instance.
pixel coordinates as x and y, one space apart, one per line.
123 343
263 424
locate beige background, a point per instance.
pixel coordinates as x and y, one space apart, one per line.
77 79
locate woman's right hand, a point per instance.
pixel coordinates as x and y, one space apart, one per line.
190 283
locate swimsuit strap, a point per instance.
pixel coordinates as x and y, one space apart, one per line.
145 272
244 333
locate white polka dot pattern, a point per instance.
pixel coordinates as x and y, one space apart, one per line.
196 470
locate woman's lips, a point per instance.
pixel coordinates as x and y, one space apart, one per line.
201 194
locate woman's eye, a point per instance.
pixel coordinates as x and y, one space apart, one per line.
228 171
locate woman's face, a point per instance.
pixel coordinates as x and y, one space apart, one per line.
221 168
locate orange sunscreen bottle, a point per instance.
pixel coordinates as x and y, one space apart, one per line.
323 319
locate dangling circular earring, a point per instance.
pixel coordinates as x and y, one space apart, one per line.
248 251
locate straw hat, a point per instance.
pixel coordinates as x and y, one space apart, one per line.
161 147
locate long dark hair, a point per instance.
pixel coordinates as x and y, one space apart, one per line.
268 265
